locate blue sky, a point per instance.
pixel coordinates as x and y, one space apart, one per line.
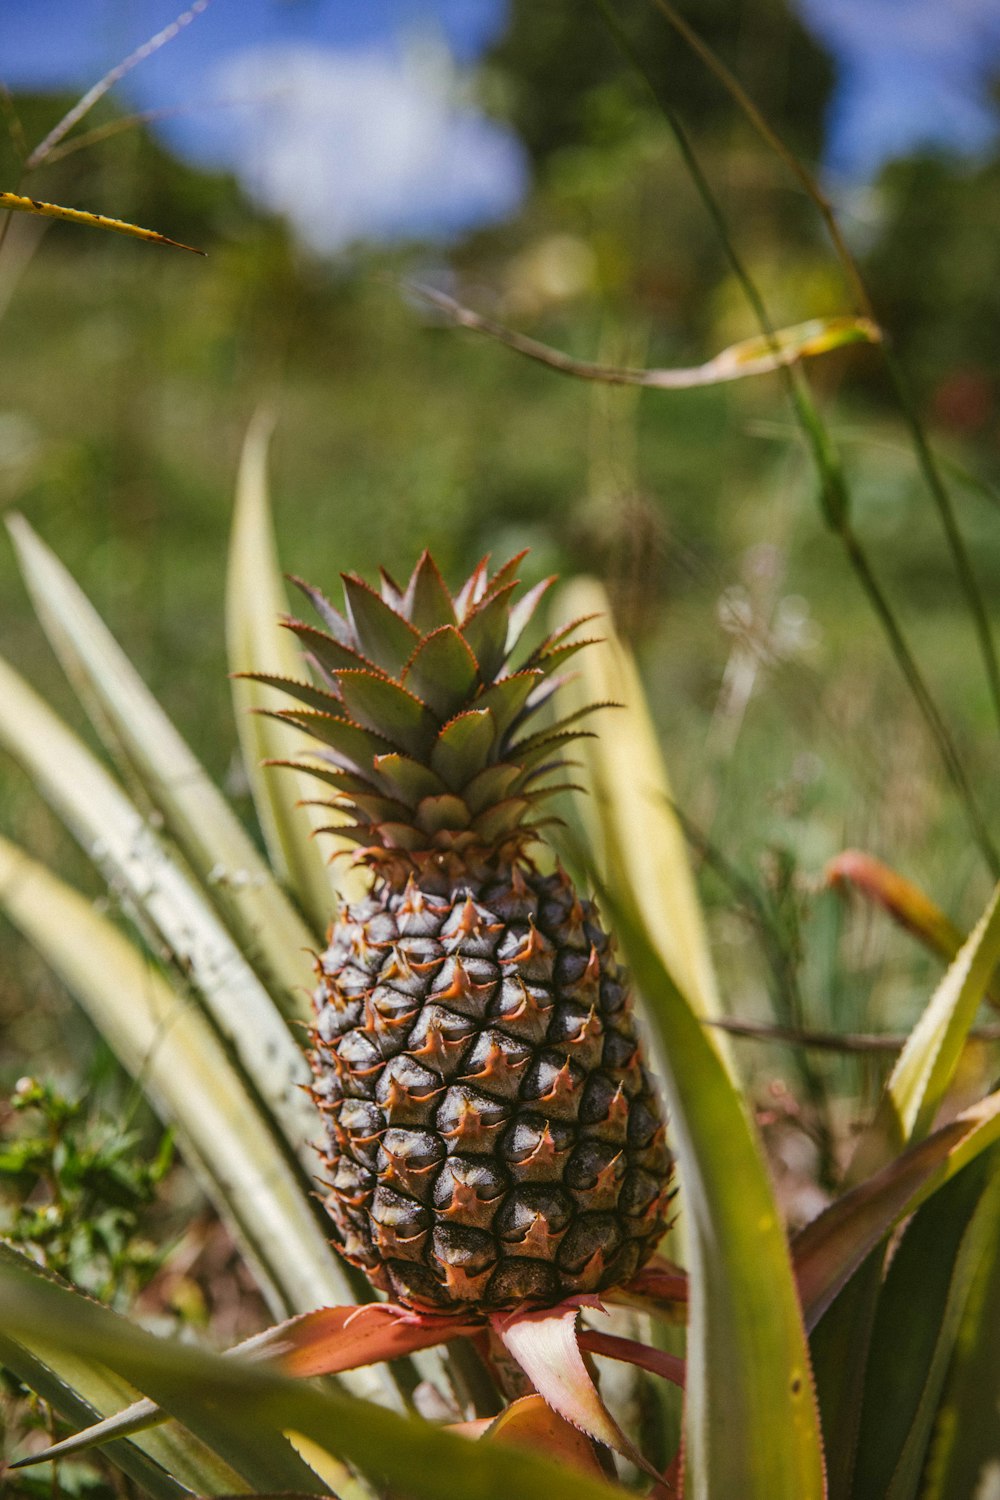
349 115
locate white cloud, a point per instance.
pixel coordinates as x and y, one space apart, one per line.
365 144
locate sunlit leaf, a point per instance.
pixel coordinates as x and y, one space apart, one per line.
137 863
255 602
925 1067
333 1339
915 1090
238 882
641 850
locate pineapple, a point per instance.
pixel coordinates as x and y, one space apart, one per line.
492 1136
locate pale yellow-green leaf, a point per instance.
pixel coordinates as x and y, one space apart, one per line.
166 902
255 602
236 879
18 204
640 847
162 1039
926 1066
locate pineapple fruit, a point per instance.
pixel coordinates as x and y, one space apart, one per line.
492 1136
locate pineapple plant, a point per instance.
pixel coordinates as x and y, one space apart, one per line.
492 1135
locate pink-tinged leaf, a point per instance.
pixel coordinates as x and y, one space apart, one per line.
544 1343
530 1422
631 1352
334 1339
903 900
830 1249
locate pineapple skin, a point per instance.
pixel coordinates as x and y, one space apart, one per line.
492 1136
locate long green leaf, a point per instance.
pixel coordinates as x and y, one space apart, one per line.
239 1409
166 1462
964 1456
136 862
238 882
255 602
933 1270
163 1039
752 1427
640 843
925 1067
914 1093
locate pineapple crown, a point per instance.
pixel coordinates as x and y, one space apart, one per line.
423 706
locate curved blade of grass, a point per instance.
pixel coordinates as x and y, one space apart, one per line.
117 838
933 1269
642 848
43 151
255 602
240 1408
239 884
752 1427
162 1039
167 1463
753 356
17 204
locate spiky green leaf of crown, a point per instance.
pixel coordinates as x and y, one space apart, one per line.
422 702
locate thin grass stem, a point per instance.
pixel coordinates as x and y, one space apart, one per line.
834 493
863 301
114 75
831 1041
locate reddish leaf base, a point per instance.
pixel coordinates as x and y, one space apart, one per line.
563 1415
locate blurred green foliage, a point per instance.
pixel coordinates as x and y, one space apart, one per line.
72 1191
